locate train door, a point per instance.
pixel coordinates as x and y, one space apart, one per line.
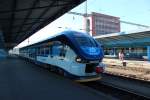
63 59
57 55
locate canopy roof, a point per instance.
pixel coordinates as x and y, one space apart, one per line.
20 19
138 38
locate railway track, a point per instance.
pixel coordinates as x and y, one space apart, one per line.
120 89
115 92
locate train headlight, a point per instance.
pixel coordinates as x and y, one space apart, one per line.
78 59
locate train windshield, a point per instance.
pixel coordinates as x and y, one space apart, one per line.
86 41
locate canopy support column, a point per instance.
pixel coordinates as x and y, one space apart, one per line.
148 52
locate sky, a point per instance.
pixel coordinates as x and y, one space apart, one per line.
136 11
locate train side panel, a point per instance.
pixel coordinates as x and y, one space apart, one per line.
74 53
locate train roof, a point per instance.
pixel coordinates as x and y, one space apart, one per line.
71 39
69 33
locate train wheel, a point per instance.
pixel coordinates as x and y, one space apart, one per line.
52 69
61 71
65 74
49 68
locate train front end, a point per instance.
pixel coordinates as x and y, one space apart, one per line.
89 57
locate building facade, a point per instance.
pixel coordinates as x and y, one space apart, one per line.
134 44
99 24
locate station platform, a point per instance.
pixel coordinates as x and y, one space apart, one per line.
133 68
21 80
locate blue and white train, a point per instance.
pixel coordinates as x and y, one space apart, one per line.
73 54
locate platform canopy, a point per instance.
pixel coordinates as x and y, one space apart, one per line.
138 38
20 19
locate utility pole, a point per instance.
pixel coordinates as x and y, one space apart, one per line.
86 19
125 22
85 8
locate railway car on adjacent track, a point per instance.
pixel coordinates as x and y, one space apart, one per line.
72 54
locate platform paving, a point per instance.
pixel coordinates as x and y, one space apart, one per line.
134 68
130 63
21 80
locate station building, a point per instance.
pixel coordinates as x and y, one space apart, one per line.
135 44
106 29
100 24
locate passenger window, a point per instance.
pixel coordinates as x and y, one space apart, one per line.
50 50
42 51
38 51
56 49
46 51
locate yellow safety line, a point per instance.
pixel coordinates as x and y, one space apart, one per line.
87 80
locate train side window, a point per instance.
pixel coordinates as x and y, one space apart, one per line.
57 48
50 50
38 51
46 51
42 51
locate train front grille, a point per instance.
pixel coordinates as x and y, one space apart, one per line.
90 68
